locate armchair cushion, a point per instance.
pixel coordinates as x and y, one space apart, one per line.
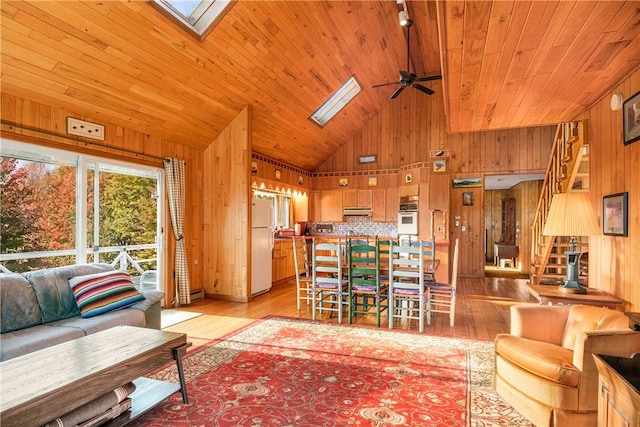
545 360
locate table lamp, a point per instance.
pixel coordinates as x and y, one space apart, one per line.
571 215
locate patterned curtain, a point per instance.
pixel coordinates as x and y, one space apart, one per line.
174 169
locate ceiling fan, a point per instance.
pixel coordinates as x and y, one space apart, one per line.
407 78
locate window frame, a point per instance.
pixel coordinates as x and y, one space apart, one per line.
39 153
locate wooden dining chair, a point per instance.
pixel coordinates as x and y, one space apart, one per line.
303 270
329 290
407 293
442 296
366 292
429 253
383 251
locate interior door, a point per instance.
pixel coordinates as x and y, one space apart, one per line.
467 224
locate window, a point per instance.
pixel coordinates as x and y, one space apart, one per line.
281 208
336 102
197 16
61 208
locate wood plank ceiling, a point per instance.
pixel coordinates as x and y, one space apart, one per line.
505 64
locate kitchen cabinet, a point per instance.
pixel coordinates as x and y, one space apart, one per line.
331 206
314 206
439 192
379 205
350 198
392 204
282 261
300 208
365 198
354 197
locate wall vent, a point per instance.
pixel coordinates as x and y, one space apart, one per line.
86 129
197 294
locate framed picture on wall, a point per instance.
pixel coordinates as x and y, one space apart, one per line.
614 214
467 198
631 119
440 165
467 182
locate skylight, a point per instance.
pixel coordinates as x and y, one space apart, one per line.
197 16
336 102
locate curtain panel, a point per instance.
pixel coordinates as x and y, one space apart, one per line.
174 171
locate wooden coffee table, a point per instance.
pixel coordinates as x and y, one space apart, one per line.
546 294
40 386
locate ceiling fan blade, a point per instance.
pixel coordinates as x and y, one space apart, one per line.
428 78
397 92
423 89
386 84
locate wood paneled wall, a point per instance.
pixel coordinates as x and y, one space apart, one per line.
615 168
291 177
227 213
467 224
413 127
45 125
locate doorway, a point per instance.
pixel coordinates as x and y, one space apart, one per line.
510 204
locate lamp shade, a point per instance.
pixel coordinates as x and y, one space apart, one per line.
571 214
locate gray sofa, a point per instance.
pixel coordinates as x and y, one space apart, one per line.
39 309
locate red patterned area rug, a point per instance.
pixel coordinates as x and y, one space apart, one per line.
288 372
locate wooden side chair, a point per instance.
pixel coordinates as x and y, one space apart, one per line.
383 251
329 288
366 292
303 270
407 292
429 253
442 296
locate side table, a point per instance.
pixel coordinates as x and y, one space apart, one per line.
546 294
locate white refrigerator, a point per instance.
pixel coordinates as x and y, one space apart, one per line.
261 245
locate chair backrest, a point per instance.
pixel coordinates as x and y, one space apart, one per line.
363 263
327 263
429 251
590 318
406 267
300 257
454 264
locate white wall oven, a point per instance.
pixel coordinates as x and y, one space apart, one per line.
408 216
408 223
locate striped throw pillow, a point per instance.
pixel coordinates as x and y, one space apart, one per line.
103 292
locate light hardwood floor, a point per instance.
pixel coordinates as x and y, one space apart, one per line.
482 311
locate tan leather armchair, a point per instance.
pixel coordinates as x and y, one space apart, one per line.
545 369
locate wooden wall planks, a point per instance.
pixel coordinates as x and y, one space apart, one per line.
227 220
614 169
412 126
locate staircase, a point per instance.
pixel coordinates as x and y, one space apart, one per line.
568 170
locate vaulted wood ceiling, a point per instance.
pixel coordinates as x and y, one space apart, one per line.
504 64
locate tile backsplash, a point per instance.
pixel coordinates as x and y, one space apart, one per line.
356 226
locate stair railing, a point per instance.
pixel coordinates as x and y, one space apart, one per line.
564 161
